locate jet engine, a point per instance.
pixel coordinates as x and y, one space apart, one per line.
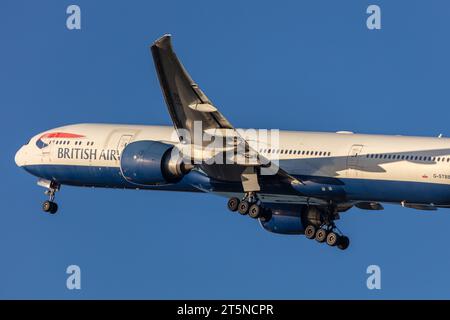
291 219
152 163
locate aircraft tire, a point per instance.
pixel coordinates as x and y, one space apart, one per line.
332 239
243 207
344 242
321 235
233 204
54 208
254 211
310 232
50 207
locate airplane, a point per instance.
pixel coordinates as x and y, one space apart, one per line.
298 183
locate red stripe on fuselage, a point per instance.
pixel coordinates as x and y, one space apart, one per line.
61 135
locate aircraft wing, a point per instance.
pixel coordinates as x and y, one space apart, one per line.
195 117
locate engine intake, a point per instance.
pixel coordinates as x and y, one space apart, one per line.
152 163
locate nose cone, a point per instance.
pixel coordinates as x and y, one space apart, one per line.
19 158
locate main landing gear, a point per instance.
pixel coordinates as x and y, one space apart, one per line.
250 205
50 205
328 232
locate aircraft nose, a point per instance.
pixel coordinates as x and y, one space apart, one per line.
19 158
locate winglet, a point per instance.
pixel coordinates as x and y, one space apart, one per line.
185 101
163 40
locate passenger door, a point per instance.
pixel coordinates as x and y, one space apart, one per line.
123 142
46 152
353 160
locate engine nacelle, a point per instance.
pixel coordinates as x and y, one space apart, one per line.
292 219
152 163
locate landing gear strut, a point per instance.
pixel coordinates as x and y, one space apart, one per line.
328 232
50 205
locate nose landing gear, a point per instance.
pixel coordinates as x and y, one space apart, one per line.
50 205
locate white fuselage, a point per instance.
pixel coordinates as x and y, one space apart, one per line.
371 165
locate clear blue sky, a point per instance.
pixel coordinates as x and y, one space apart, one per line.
299 65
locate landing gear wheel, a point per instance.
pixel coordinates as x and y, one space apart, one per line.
332 239
310 232
344 242
233 204
321 235
254 211
243 207
50 207
266 215
46 206
54 208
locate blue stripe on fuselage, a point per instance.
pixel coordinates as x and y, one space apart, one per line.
355 189
96 176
